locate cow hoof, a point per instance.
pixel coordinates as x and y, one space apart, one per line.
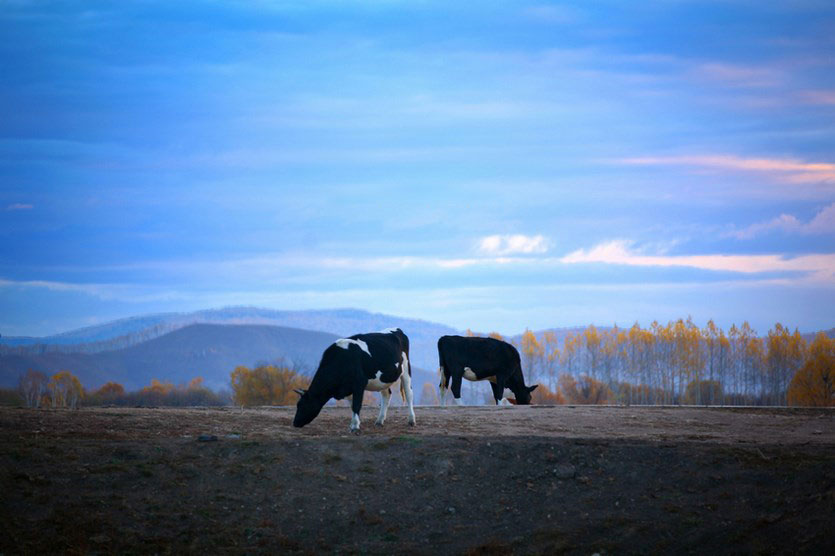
379 423
411 423
355 431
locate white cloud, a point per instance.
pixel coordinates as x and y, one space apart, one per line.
816 267
822 223
788 170
20 206
499 245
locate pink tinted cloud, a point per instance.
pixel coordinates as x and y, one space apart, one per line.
816 267
790 170
20 206
822 223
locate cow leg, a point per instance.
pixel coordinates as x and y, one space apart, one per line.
356 406
498 393
406 386
456 387
442 388
385 398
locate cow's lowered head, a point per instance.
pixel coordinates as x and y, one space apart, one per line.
523 396
307 408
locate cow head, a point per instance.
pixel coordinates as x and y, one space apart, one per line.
307 408
523 397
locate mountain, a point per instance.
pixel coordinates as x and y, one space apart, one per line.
211 351
132 331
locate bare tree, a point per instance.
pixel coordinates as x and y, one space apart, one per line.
32 387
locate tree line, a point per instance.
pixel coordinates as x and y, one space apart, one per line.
676 363
680 363
64 390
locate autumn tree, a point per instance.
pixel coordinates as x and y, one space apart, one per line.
814 383
429 394
108 393
266 385
550 358
784 356
110 390
699 391
591 341
545 396
569 354
64 390
32 387
531 353
584 390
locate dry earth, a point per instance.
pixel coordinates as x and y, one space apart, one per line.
478 480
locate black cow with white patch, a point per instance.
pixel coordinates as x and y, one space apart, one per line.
481 359
351 366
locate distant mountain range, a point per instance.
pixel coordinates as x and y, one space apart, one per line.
176 347
210 351
132 331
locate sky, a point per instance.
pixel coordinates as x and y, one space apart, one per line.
487 165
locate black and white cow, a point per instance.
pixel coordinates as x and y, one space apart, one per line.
481 359
351 366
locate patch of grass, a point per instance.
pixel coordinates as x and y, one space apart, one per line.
413 440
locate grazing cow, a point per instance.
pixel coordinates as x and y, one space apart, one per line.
481 359
351 366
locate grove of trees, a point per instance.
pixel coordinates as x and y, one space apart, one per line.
266 385
680 363
676 363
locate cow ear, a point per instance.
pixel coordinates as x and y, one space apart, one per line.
532 388
299 391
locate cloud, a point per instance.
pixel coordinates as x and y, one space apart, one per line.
818 97
789 170
816 267
739 76
822 223
500 245
20 206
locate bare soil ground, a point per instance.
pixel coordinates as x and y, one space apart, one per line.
477 480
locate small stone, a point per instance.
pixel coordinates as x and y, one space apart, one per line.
450 510
207 438
565 471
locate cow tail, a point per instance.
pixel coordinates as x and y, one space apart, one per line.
408 370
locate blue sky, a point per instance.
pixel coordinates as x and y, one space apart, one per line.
491 165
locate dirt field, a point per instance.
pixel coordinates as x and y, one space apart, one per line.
479 480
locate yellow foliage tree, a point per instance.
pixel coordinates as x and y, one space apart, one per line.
814 383
110 390
429 394
532 352
699 392
64 390
544 396
266 385
585 390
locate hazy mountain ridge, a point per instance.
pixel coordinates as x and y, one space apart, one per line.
210 351
132 331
